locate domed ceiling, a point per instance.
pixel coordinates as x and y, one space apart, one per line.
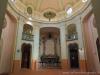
42 5
39 7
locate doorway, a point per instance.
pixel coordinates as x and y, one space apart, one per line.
26 55
73 55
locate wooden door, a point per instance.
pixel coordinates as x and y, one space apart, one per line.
73 52
26 49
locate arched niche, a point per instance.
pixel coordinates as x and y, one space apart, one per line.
50 51
27 29
27 32
71 29
50 41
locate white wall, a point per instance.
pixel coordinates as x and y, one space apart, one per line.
36 43
77 21
19 41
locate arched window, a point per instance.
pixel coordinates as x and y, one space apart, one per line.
27 32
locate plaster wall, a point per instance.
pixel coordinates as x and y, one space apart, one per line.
8 44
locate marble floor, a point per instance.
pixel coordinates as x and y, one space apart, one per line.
51 72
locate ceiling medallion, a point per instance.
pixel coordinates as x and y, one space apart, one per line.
49 15
29 10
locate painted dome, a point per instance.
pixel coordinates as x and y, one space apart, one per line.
38 8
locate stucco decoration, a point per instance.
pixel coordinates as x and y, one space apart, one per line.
49 15
40 6
29 10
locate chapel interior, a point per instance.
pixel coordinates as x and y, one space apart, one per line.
49 37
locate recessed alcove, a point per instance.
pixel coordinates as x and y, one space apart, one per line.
50 47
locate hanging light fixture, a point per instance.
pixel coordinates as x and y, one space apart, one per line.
49 15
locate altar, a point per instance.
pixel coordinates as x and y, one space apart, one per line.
50 61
